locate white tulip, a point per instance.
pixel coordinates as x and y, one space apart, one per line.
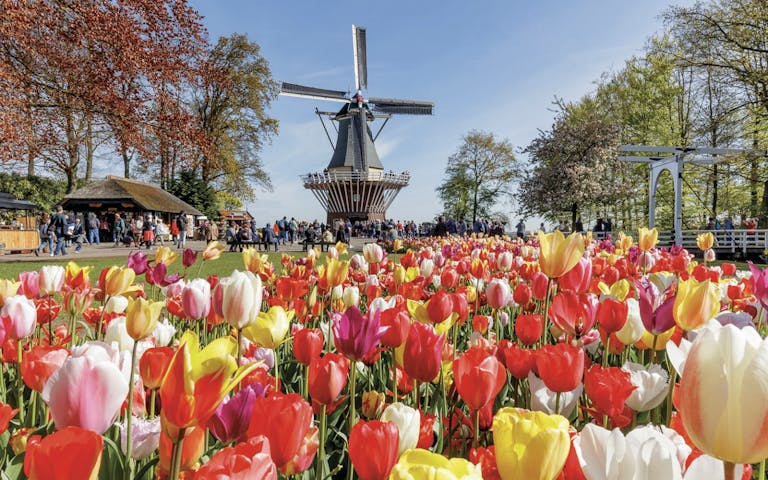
407 421
652 385
633 328
545 400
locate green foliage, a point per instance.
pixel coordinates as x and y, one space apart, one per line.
45 192
193 190
478 177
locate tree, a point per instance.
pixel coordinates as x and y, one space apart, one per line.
478 177
65 65
573 165
231 106
193 190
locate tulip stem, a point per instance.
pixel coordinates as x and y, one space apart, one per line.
653 349
176 455
101 318
607 349
394 374
557 403
730 470
352 413
152 396
33 408
277 368
546 312
476 440
761 471
319 468
20 382
670 391
239 353
72 326
129 414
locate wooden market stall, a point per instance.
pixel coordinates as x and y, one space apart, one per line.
20 233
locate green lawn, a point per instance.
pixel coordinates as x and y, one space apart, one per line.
222 266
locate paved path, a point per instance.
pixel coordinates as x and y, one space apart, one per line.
106 250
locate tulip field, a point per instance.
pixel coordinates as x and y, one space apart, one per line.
459 358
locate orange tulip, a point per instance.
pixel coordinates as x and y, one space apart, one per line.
213 250
191 449
336 272
72 452
647 239
197 380
558 254
705 241
165 256
76 276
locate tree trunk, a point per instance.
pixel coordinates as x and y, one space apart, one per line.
574 211
126 162
88 149
753 180
30 161
714 190
474 204
73 153
763 218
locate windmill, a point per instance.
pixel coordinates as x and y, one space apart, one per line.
354 185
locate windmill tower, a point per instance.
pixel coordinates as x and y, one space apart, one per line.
355 185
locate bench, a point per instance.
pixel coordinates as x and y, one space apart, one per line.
323 245
238 245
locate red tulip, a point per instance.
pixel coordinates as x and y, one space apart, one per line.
6 414
245 461
486 458
439 307
426 430
449 278
373 448
608 388
38 364
307 345
191 448
522 294
460 307
612 315
478 377
518 361
285 420
578 278
480 323
153 364
328 377
72 452
399 323
422 354
529 328
573 313
539 286
560 366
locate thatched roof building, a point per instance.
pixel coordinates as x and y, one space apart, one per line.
125 195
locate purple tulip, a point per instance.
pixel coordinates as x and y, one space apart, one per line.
138 262
157 276
759 281
655 308
232 417
356 334
189 257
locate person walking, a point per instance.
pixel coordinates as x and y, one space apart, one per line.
118 229
78 235
93 229
45 235
147 233
269 237
59 224
181 224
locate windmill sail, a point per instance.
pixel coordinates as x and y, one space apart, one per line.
360 57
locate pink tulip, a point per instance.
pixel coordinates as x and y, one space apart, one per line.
30 286
19 317
373 253
87 391
578 278
504 261
51 279
174 289
241 294
759 281
196 298
498 293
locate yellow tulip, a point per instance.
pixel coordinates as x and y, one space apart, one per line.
341 247
619 290
141 317
397 245
336 272
270 328
165 255
419 464
398 275
253 261
625 242
118 280
8 288
661 339
705 241
558 254
530 445
647 239
75 275
695 303
213 250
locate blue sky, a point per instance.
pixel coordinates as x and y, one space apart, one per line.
490 65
